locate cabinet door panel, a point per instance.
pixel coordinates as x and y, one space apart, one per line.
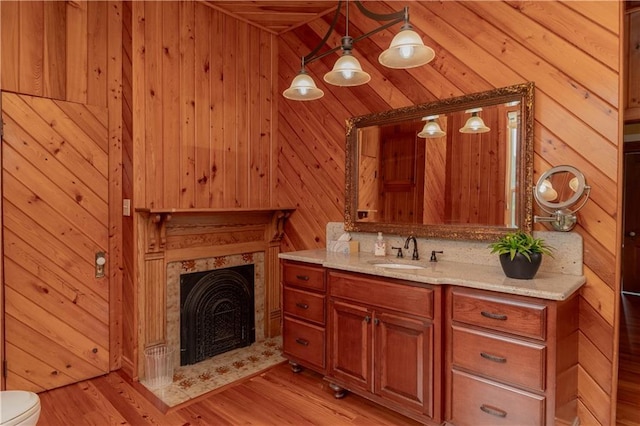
404 362
350 344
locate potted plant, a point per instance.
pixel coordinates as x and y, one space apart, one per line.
520 254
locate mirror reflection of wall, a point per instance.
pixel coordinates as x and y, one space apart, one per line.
456 178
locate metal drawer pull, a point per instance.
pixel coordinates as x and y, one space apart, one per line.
302 305
493 411
493 358
302 342
303 277
501 317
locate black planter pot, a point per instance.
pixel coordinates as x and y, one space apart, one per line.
520 267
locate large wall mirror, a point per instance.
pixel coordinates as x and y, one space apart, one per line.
459 168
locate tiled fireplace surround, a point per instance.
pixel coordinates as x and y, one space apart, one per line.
174 241
175 269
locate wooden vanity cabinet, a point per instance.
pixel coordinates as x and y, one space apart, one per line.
510 359
304 315
385 342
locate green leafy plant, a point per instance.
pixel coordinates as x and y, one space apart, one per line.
520 242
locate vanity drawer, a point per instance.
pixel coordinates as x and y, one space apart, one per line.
305 305
505 359
479 402
505 314
390 294
305 276
304 341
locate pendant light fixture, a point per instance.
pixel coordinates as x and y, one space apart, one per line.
474 124
406 51
431 128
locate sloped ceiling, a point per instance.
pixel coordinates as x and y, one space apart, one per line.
275 16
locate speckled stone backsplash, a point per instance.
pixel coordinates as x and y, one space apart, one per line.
567 256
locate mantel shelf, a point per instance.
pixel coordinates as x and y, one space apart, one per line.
210 210
157 219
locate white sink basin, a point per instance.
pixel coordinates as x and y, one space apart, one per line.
398 266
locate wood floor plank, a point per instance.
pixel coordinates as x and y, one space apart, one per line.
275 397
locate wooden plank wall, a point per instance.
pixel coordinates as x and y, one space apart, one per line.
70 50
571 50
203 106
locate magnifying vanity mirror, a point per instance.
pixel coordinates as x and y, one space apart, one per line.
424 170
561 192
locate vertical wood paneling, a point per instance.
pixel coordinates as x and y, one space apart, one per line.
187 106
171 103
77 55
55 61
203 61
204 117
56 49
97 28
31 53
571 50
10 38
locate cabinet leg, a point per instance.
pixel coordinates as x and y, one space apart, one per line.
338 391
295 367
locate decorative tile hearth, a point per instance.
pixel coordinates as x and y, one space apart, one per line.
191 381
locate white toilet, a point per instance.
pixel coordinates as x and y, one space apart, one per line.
19 408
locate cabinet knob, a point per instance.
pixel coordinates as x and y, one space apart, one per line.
367 319
376 321
302 305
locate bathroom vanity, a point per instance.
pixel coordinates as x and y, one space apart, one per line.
446 341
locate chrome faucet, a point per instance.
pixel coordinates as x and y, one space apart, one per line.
415 255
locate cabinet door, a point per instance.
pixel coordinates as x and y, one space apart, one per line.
350 346
403 359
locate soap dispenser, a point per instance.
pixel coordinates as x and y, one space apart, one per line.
380 248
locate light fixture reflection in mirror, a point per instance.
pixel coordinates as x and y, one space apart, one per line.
474 124
561 192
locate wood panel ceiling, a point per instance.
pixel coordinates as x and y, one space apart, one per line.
275 16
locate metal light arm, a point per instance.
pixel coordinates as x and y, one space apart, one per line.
348 42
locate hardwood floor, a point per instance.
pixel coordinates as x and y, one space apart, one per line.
276 397
628 407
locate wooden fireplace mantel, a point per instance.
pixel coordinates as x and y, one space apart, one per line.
158 221
170 235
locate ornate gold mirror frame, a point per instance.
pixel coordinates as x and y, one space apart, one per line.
520 95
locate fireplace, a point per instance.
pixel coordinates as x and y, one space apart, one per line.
216 312
176 271
176 241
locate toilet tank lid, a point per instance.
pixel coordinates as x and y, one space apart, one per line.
15 403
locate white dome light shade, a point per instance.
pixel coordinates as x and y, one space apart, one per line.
303 88
474 125
406 51
347 72
431 129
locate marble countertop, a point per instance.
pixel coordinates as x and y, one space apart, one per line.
546 285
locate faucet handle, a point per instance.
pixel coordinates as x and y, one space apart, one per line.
433 255
399 251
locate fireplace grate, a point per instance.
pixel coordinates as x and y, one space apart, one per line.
217 312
